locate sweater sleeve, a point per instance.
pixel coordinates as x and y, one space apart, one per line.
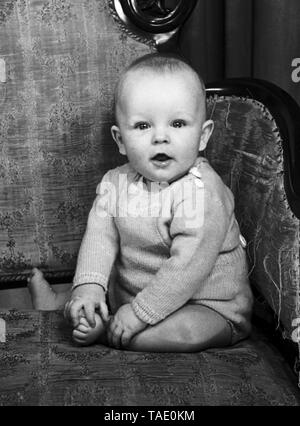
100 242
196 243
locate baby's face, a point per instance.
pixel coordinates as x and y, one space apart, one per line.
161 123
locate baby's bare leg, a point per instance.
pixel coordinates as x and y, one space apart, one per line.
43 296
192 328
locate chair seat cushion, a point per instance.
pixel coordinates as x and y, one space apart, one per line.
40 365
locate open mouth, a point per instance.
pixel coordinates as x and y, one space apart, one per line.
161 158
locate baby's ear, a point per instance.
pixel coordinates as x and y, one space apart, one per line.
116 134
207 130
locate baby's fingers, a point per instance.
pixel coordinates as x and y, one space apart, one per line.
103 309
114 335
66 311
116 338
89 309
125 338
74 311
67 308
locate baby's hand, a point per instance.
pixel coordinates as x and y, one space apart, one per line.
85 335
84 302
123 326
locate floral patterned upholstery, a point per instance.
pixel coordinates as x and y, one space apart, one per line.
246 150
40 365
62 59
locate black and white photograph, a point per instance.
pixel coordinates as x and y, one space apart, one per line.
149 206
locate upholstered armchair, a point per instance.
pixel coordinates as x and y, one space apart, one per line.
59 62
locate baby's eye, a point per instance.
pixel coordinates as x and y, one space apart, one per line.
178 123
141 126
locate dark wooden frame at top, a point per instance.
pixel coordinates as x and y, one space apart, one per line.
162 23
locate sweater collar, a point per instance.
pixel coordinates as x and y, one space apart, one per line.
136 177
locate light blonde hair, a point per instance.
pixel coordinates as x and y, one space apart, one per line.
159 63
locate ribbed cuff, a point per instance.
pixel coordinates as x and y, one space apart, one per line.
144 313
90 278
79 285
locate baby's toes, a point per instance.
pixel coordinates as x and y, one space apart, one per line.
79 336
82 328
84 322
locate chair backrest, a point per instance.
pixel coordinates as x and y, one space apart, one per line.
59 62
255 148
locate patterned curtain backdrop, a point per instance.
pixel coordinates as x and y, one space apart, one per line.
246 38
59 62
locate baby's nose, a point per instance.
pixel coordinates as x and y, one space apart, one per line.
160 137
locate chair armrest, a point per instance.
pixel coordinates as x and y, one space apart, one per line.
255 148
286 113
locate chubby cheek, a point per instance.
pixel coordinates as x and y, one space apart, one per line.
136 156
135 145
189 153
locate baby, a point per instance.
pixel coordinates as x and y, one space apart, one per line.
164 223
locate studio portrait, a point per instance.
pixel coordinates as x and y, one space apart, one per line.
149 205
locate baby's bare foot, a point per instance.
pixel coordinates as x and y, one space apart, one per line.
43 297
85 335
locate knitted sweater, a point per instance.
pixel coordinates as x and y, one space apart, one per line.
170 244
